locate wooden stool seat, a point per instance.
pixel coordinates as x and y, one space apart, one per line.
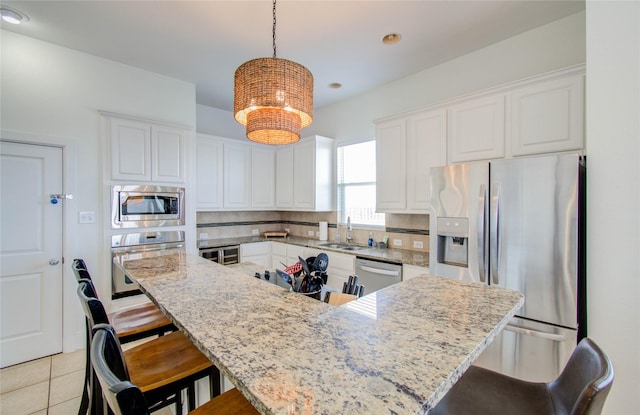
336 298
232 402
139 321
163 367
125 397
149 365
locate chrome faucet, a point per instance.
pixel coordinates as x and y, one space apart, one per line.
349 229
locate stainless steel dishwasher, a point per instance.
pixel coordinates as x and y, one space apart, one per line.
375 275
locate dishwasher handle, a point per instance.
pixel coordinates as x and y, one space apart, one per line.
379 271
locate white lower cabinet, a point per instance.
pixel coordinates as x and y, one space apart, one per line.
341 266
412 271
278 255
256 252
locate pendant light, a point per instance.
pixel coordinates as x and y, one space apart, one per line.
273 97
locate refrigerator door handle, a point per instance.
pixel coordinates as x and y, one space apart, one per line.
535 333
482 262
495 234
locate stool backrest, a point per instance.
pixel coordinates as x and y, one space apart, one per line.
80 270
583 385
92 306
123 397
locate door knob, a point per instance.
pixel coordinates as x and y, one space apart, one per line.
54 261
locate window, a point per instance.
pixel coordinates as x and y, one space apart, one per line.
357 184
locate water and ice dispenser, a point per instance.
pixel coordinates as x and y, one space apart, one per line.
453 241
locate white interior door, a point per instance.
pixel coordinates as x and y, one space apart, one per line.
30 252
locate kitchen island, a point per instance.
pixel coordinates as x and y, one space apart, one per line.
396 351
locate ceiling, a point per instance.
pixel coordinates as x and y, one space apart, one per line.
203 42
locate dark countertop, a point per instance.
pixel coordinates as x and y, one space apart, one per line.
399 256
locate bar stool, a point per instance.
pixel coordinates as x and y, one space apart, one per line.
125 398
161 367
133 323
581 389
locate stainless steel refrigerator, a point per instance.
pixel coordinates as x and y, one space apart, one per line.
518 224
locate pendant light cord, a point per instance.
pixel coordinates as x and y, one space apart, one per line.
274 28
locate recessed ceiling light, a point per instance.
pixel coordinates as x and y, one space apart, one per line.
335 85
391 38
13 16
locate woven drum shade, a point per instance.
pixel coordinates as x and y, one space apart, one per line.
273 98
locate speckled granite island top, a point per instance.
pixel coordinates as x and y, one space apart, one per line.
396 351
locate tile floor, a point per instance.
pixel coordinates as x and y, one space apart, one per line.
48 386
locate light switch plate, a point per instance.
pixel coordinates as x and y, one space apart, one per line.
310 233
204 235
418 244
255 232
397 242
87 217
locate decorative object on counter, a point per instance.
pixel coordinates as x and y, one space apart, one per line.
273 97
275 234
307 276
370 242
337 299
351 287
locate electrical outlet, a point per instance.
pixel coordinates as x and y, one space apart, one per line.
397 242
287 230
203 235
310 233
317 234
87 217
418 244
255 232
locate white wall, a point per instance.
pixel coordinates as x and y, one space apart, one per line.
613 141
556 45
53 94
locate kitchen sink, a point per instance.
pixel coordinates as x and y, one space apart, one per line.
343 247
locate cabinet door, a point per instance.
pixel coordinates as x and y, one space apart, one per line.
284 177
130 150
263 186
426 148
168 154
391 156
237 176
209 161
477 129
304 187
548 117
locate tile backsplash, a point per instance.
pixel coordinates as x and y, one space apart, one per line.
410 231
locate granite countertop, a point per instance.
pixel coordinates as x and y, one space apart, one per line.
400 256
395 351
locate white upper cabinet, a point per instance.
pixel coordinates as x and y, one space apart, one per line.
391 165
477 129
284 177
305 175
548 116
406 149
237 176
209 159
144 152
426 148
234 175
263 185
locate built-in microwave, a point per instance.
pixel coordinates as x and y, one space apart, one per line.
145 206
